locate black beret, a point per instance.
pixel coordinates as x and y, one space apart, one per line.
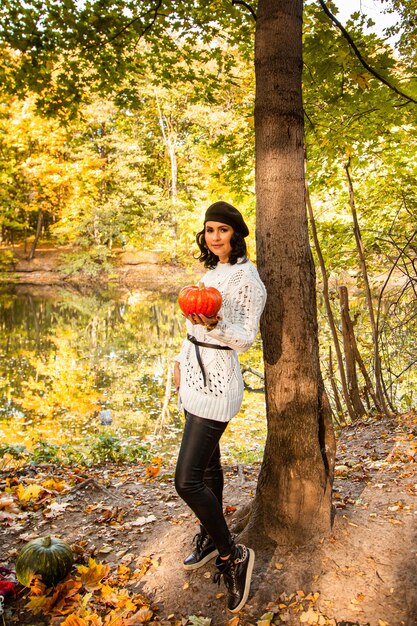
227 214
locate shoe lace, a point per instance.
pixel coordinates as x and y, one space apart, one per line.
229 574
200 541
244 553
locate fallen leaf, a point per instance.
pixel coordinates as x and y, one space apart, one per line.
36 604
199 620
309 617
37 588
92 575
64 599
113 619
54 484
55 509
152 471
75 620
266 619
358 599
31 492
144 614
141 521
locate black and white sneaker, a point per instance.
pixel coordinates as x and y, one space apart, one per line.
237 576
204 551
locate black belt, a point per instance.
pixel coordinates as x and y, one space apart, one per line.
202 344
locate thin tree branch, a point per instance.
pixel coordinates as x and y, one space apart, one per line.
359 55
127 26
247 6
381 293
397 376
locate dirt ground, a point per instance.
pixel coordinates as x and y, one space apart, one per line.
364 573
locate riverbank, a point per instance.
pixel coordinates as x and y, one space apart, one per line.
120 270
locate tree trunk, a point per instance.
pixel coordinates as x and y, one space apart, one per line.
337 402
37 235
379 389
329 311
350 358
169 136
293 498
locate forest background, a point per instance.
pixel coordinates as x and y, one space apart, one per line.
98 164
109 152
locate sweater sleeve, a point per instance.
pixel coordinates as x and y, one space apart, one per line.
248 298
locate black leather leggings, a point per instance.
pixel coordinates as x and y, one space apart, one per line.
199 477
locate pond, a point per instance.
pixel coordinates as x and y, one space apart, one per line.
89 375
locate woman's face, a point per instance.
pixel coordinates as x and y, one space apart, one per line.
218 236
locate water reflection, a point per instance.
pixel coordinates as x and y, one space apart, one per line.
68 357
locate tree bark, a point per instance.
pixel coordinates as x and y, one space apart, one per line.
293 498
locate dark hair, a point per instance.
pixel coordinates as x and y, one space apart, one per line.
210 260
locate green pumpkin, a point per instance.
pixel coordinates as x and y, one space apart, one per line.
49 557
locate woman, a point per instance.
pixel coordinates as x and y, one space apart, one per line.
210 386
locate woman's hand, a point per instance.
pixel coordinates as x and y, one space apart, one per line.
202 320
177 376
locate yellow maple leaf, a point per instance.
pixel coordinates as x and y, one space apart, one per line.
113 619
118 598
64 599
37 587
31 492
94 620
54 484
36 604
144 566
152 471
109 594
140 617
123 573
93 574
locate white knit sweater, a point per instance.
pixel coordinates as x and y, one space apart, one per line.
244 297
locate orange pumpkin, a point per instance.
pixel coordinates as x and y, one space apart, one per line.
200 299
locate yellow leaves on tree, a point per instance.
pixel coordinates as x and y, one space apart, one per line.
62 382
